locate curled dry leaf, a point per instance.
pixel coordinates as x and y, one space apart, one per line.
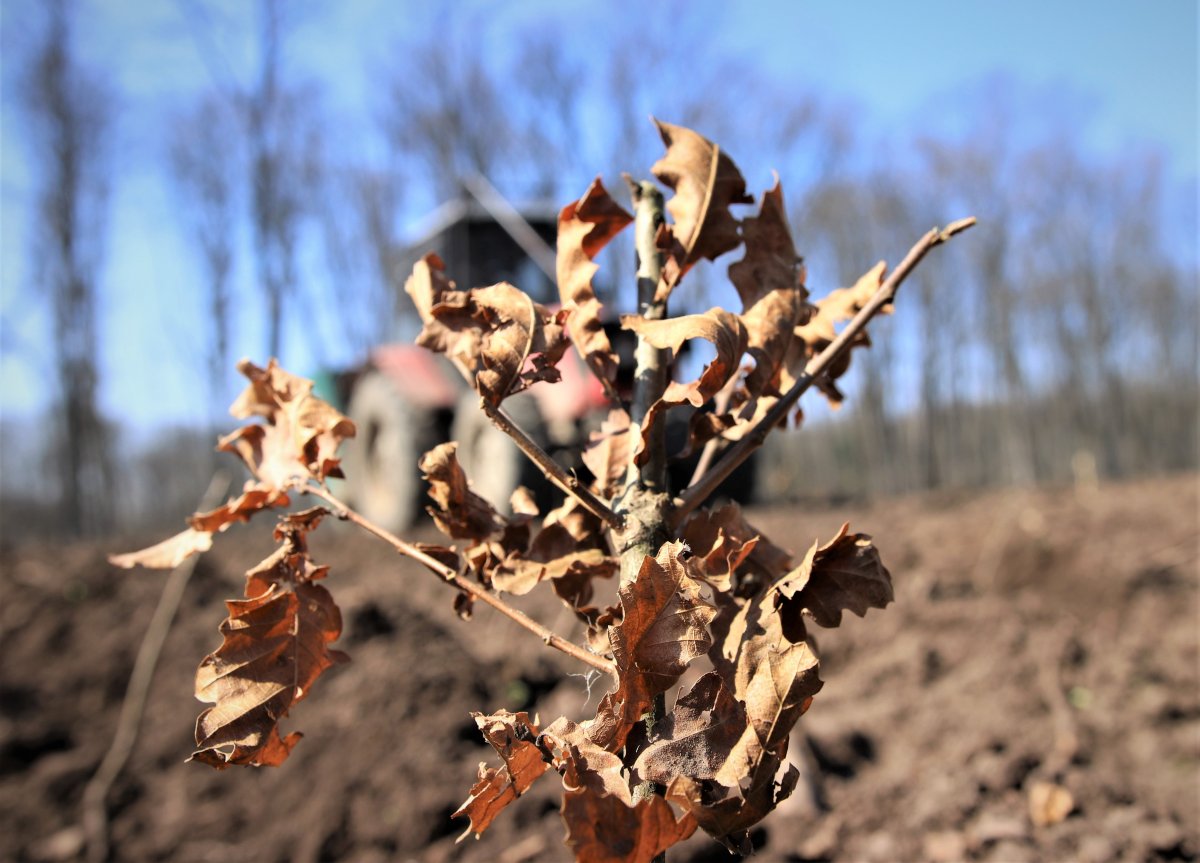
706 182
821 329
300 437
501 339
276 645
718 326
770 282
167 554
720 540
585 227
458 511
844 573
665 626
696 738
297 443
725 777
727 814
603 823
774 678
602 828
512 735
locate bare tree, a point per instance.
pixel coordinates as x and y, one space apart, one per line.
284 162
205 175
69 110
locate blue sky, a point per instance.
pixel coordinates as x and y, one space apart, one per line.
1126 73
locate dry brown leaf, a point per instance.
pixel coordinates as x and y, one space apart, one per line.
254 498
770 282
584 228
723 329
726 813
501 339
608 453
774 678
696 738
582 763
706 182
603 824
276 645
665 626
602 828
301 433
512 736
718 326
721 541
297 443
844 573
518 576
821 329
458 511
167 554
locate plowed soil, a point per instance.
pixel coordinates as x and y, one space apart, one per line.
1038 639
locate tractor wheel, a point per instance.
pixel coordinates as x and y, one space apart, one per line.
383 481
493 463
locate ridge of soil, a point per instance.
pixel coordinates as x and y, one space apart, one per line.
1037 636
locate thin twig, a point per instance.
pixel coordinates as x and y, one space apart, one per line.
95 794
699 491
720 404
451 577
548 466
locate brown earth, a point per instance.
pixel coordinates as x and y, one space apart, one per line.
1048 636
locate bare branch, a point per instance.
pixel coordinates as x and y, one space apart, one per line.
548 466
451 577
699 491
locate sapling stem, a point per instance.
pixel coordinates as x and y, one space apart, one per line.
644 502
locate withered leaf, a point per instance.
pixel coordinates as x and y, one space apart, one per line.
844 573
665 626
458 511
608 453
727 813
276 644
300 437
821 329
512 735
718 326
721 541
254 498
501 339
582 763
602 828
706 182
518 576
297 443
770 282
724 329
696 737
774 678
167 554
584 228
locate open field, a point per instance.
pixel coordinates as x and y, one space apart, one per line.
1036 636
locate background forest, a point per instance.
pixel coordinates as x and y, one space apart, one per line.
1057 344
